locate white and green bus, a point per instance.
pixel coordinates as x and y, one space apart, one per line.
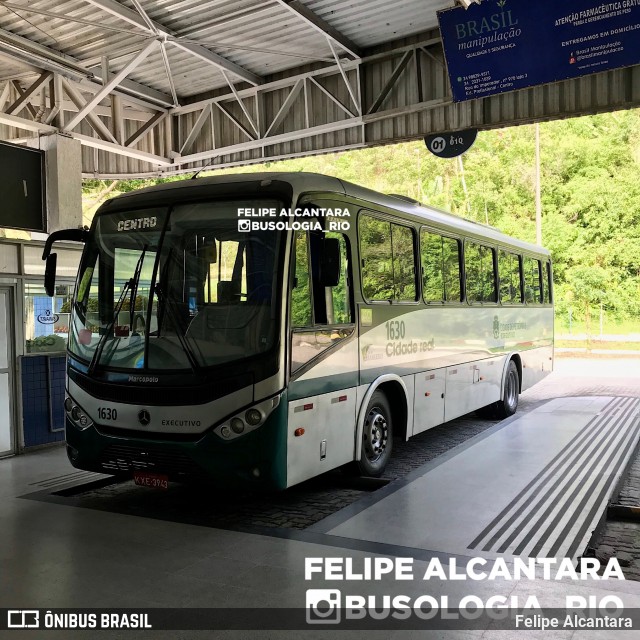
261 329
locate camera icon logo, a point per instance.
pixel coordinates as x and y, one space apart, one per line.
323 606
244 225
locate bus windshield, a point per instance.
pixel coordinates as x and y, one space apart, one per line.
176 289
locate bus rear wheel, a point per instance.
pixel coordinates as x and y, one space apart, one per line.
377 437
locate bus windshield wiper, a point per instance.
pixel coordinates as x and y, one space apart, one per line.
103 338
130 285
134 288
168 305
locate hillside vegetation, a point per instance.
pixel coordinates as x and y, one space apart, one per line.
590 199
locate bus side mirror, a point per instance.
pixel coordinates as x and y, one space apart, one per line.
50 274
330 262
76 235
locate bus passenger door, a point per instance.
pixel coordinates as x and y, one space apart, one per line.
324 358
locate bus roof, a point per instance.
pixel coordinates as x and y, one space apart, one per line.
302 182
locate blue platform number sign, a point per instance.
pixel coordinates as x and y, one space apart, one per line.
504 45
450 144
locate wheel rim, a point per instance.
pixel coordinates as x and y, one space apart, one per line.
376 434
512 389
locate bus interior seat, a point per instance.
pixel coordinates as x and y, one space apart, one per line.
228 292
248 333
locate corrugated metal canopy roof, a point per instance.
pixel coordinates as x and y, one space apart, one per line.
262 37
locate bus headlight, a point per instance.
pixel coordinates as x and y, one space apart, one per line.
77 415
253 417
248 420
237 425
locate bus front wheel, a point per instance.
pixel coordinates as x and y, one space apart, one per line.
377 437
509 403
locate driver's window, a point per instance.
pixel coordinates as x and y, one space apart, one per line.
318 312
312 303
301 314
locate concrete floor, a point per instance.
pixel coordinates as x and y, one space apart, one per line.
53 556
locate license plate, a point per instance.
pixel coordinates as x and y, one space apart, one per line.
153 480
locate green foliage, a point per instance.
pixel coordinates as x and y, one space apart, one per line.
301 293
590 200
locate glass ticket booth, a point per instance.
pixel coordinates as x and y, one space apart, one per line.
33 340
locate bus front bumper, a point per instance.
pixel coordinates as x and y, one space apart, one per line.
256 460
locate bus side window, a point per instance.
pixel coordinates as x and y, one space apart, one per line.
451 252
404 262
339 307
440 267
547 283
377 261
510 281
480 273
489 290
432 268
388 260
532 281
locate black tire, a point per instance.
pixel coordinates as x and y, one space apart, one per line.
488 412
377 437
509 403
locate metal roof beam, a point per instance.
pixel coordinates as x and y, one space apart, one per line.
241 103
62 16
26 104
112 84
94 121
4 96
386 90
103 145
44 58
316 22
130 88
24 98
28 125
134 18
235 121
283 137
41 56
347 65
196 129
354 98
145 128
217 60
286 106
331 97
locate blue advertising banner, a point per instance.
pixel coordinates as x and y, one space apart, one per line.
504 45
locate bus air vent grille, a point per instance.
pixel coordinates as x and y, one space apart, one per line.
124 458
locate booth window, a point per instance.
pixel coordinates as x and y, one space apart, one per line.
47 318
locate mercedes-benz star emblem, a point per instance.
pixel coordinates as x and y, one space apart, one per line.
144 418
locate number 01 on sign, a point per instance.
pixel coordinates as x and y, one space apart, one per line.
450 144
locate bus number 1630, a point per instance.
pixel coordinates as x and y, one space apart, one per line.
107 413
